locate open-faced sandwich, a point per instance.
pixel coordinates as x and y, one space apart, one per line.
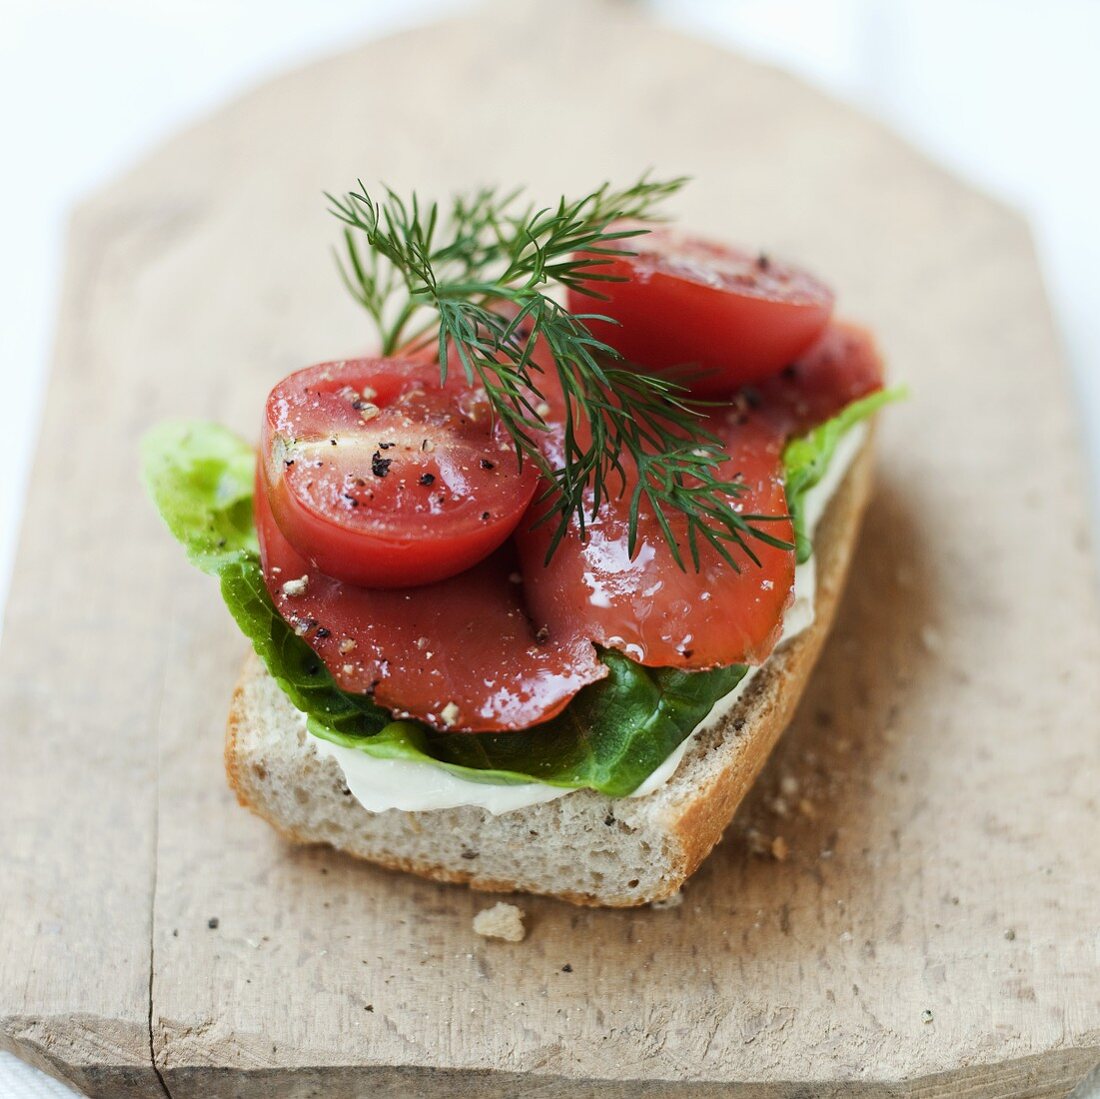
534 589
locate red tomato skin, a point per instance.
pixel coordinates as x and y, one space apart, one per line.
646 606
716 316
841 366
383 511
461 654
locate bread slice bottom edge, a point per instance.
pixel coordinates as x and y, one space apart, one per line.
584 847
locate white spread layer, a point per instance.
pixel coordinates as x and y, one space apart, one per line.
381 784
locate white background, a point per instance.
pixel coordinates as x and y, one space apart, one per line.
1006 92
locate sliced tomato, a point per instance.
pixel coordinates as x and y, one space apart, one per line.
460 654
645 605
717 316
843 365
383 476
649 608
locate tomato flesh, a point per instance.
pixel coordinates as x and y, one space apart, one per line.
841 366
714 316
460 654
383 476
645 605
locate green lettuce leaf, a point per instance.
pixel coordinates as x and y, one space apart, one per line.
807 458
200 476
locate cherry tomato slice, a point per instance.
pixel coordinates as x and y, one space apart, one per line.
647 606
382 476
843 365
460 654
717 316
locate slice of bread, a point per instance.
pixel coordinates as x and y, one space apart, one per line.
584 847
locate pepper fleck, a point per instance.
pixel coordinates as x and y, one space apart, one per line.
484 516
486 464
323 632
380 466
426 479
212 923
386 446
567 968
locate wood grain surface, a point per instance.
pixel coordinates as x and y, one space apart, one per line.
935 928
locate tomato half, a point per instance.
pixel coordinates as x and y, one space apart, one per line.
719 316
382 476
460 654
647 606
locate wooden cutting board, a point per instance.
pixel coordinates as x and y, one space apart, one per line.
935 929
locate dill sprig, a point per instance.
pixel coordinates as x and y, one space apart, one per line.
475 280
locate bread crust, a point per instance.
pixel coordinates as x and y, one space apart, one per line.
695 822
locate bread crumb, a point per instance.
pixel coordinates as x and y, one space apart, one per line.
807 808
674 901
296 587
780 850
450 713
788 786
502 921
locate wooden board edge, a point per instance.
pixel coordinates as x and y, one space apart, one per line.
84 1052
1041 1076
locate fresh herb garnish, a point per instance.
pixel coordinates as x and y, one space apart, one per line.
475 281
